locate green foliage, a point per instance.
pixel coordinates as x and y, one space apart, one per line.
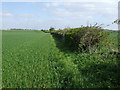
81 39
30 59
117 21
51 29
46 31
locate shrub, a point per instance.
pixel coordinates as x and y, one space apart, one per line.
46 31
51 29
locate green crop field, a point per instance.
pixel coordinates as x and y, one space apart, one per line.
32 59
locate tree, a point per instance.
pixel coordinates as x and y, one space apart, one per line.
51 29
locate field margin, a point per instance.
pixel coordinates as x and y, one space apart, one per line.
0 47
0 59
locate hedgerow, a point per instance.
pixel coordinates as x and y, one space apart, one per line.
81 39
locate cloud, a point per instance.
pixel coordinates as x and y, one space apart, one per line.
79 13
27 15
78 9
52 4
5 14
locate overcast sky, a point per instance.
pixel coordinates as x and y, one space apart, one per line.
35 14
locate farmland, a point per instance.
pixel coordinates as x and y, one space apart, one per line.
34 59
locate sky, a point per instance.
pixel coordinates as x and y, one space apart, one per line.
34 14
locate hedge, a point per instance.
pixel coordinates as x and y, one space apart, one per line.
81 38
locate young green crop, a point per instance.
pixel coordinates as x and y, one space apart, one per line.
32 59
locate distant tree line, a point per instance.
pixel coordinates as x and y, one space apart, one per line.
19 29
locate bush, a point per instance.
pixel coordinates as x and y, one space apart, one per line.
51 29
46 31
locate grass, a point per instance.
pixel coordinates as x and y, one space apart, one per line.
0 59
32 59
